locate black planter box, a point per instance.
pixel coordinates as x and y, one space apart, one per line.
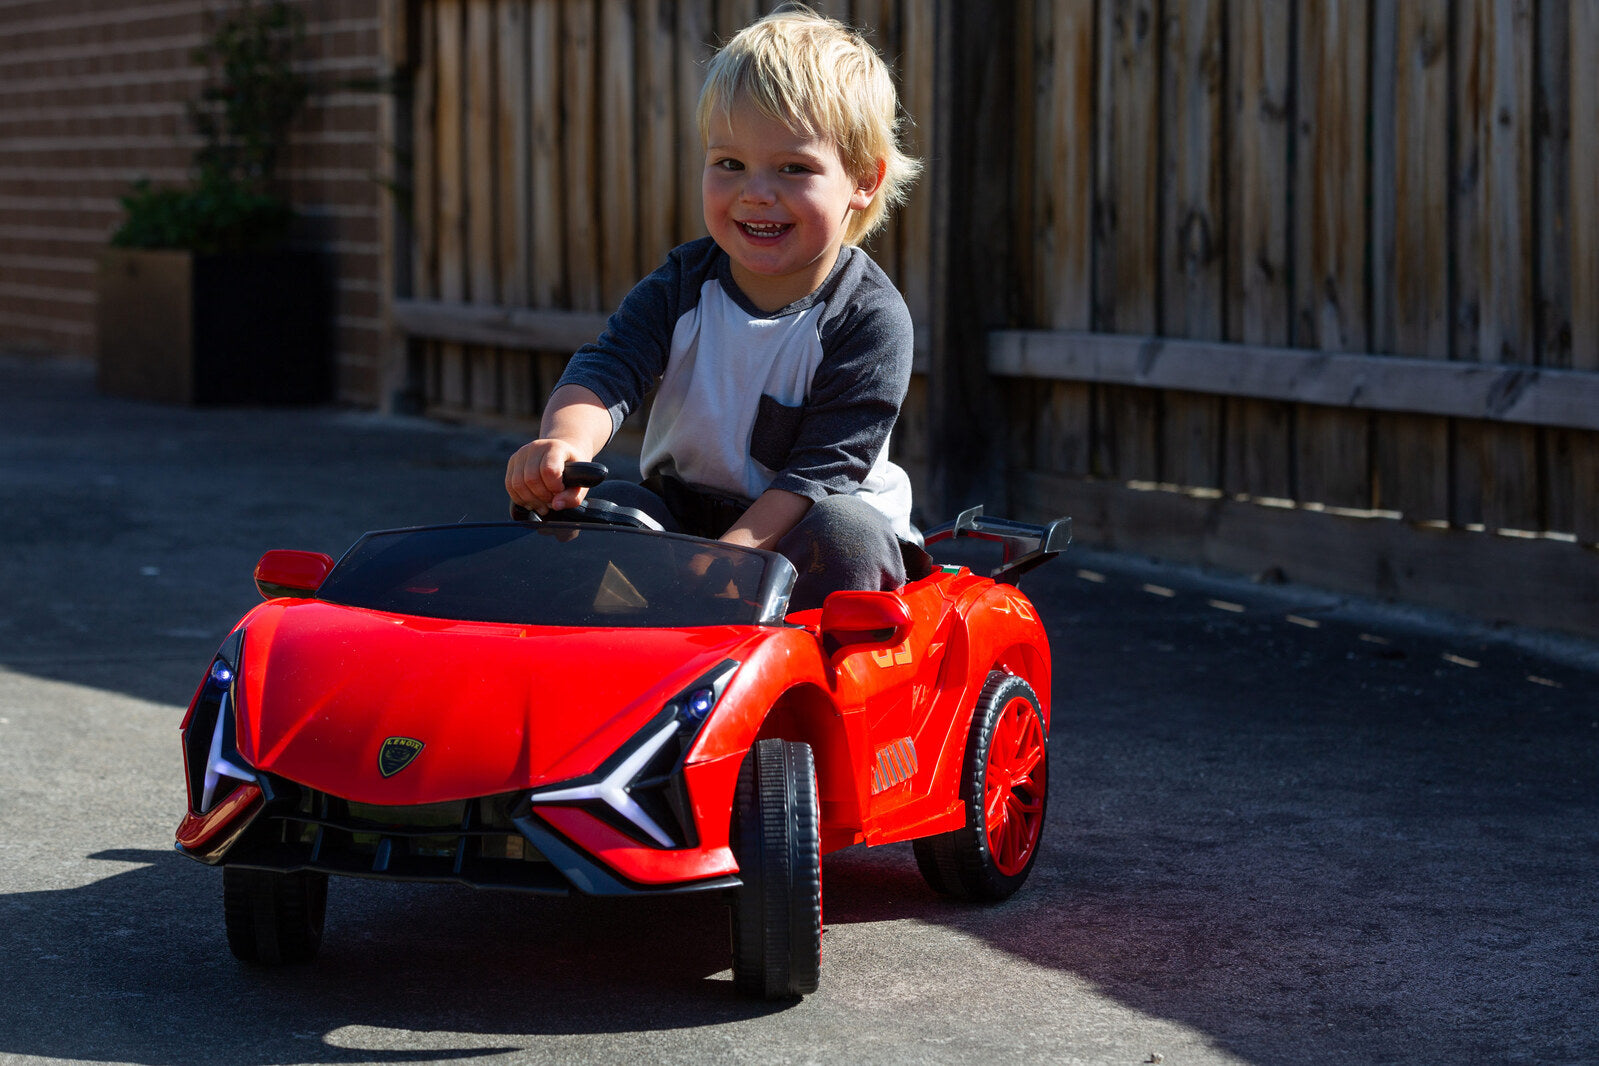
245 328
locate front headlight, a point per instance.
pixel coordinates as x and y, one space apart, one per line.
209 745
640 789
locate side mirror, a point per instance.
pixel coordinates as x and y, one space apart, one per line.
856 617
291 573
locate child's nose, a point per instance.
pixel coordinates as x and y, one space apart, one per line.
757 189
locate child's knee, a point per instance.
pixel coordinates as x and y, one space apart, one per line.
842 543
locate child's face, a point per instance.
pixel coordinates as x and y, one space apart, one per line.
778 203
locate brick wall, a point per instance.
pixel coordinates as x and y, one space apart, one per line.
93 95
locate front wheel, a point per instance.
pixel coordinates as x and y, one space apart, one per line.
1004 785
777 910
274 918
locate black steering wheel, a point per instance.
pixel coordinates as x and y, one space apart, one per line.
573 475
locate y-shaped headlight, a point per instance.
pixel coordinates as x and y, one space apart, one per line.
642 782
210 741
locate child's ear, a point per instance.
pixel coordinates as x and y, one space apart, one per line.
867 187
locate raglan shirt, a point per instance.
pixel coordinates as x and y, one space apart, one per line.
800 399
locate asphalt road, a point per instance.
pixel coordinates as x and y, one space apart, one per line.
1284 827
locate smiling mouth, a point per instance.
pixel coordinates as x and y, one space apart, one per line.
763 231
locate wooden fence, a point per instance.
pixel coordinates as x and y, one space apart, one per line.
1310 285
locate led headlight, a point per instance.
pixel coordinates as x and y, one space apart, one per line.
642 783
213 760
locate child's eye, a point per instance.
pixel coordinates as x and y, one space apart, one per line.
728 164
796 168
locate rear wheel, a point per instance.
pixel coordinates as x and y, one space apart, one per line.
1004 785
777 911
274 918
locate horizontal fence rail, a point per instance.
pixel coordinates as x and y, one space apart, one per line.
1494 392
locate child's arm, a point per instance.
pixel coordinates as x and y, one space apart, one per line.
575 427
768 519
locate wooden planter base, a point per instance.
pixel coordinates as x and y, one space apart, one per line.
237 328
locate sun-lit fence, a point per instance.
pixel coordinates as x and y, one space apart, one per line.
1308 286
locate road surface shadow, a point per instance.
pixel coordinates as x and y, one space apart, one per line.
158 985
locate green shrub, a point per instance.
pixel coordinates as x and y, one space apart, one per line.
243 119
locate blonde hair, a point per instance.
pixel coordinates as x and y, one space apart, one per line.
820 78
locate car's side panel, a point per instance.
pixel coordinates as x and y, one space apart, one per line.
896 689
1001 630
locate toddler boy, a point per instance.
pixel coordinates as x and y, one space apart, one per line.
779 352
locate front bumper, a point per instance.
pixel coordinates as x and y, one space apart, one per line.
497 842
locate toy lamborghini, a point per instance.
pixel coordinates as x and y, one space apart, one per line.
597 706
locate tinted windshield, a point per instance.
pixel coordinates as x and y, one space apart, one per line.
559 574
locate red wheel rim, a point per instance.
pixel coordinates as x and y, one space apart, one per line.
1013 787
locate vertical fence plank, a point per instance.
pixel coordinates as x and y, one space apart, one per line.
482 166
512 157
421 357
1585 182
449 161
424 164
1062 245
1410 181
917 75
1191 210
1258 455
1552 163
1193 217
659 150
1505 191
1331 310
1584 45
1499 464
547 271
1552 239
482 129
451 184
914 226
974 168
1063 172
582 178
512 153
1583 449
867 17
1128 132
1126 227
1020 400
695 34
618 175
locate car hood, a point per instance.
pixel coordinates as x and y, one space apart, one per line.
495 708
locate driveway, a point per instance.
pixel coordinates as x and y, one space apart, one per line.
1285 827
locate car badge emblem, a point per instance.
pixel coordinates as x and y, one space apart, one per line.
396 754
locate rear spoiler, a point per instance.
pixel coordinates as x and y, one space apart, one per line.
1026 545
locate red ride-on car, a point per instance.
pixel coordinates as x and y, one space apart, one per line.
598 706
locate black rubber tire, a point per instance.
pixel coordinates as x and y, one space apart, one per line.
274 918
958 863
777 911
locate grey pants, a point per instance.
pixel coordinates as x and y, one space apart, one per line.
843 542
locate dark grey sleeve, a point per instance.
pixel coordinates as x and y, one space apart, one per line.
854 400
624 364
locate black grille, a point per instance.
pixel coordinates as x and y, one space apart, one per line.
472 841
